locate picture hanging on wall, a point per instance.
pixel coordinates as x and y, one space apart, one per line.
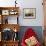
29 13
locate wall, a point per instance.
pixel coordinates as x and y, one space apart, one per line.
44 13
27 4
39 13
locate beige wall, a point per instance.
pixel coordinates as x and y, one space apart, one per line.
44 4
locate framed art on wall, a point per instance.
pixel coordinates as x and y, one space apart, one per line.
29 13
5 12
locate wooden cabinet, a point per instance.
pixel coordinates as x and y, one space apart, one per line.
9 25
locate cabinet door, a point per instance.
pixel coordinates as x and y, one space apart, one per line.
0 19
0 36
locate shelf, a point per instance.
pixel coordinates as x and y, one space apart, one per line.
6 23
6 12
10 26
11 41
9 10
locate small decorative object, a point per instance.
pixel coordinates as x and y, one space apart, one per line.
6 21
15 30
15 34
7 34
29 13
15 3
13 12
30 38
5 12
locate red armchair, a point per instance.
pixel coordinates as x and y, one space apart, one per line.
29 36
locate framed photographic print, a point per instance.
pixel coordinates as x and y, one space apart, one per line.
13 12
29 13
5 12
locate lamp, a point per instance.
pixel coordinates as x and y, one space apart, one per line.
15 37
15 30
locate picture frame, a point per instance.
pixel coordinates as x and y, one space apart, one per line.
29 13
13 12
5 12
